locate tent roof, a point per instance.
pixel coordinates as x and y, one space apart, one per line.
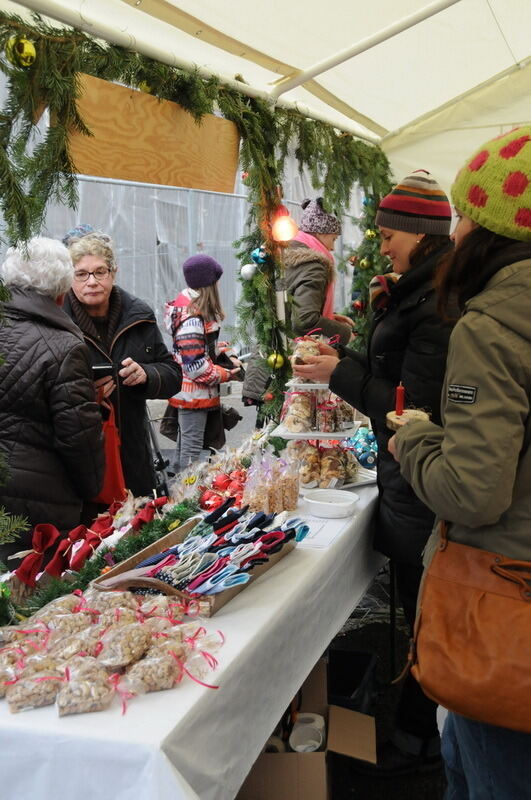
466 68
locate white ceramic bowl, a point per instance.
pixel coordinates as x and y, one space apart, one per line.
330 503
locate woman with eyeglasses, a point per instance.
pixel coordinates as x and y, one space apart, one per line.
121 332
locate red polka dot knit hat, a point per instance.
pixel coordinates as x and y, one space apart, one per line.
493 188
416 205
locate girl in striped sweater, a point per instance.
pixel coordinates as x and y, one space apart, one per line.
193 319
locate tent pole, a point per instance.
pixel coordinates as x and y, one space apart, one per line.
78 14
290 82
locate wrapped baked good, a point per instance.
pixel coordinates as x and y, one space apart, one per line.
34 691
87 688
123 645
298 412
351 466
332 468
309 465
325 417
304 347
156 672
345 414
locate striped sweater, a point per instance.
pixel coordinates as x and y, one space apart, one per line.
194 348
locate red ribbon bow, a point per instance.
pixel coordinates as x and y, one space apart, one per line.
92 540
147 513
44 536
59 562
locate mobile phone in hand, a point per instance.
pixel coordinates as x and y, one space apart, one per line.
102 371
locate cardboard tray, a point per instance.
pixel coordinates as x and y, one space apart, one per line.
209 604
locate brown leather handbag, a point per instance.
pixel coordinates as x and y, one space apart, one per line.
471 650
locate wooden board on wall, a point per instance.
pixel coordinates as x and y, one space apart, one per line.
139 138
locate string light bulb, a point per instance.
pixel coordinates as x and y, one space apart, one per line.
284 227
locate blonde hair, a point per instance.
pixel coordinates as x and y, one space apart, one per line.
208 304
93 245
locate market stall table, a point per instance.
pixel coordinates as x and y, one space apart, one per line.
192 742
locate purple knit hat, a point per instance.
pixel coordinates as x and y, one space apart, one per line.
201 270
316 220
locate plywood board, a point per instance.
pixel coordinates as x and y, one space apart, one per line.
140 138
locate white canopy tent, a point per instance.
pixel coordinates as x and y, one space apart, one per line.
429 82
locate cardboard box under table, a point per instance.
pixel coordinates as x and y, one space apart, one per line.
304 776
117 578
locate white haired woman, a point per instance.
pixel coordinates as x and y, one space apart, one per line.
51 425
121 333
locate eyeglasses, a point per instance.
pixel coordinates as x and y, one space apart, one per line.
100 274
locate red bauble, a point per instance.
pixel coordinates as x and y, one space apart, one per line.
210 500
358 305
238 475
221 481
235 487
268 397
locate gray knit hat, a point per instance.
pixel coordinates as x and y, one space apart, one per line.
316 220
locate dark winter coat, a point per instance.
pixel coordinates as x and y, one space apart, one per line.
138 337
307 274
408 343
50 423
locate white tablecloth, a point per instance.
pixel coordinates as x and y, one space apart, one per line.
193 742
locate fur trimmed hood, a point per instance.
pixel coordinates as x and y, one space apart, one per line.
297 253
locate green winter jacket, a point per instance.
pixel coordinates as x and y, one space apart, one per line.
307 274
476 472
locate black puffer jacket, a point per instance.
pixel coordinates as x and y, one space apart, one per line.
408 343
50 423
138 337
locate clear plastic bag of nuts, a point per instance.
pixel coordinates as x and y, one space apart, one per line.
87 688
158 671
35 690
123 645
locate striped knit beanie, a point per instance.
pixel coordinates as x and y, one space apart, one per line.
416 205
494 186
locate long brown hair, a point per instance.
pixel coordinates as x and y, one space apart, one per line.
208 304
463 273
427 245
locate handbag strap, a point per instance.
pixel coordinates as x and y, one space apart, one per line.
518 572
443 534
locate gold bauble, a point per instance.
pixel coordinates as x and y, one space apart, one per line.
20 51
145 87
275 360
370 234
364 263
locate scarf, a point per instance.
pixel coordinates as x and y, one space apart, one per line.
85 322
314 244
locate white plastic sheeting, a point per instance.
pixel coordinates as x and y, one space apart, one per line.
156 228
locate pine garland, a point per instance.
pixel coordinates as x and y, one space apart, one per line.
337 161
